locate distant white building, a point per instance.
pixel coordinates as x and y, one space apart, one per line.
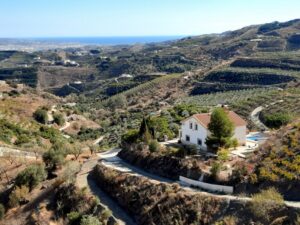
124 75
194 130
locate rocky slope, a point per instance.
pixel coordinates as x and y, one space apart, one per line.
150 202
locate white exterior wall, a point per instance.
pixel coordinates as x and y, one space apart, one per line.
194 135
240 134
202 133
207 186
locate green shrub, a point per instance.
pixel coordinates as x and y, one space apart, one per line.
106 214
265 203
31 176
182 111
50 133
117 102
160 126
41 116
215 169
10 130
154 146
191 149
234 143
187 150
2 211
88 133
130 137
276 120
18 196
53 158
89 220
59 119
239 172
22 139
223 154
74 217
172 150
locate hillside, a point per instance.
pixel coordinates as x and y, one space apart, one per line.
150 202
253 61
95 67
277 164
59 107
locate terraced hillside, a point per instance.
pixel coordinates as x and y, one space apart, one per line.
188 54
245 101
248 82
263 76
273 63
16 67
23 75
6 54
150 86
230 97
143 93
12 59
259 69
259 61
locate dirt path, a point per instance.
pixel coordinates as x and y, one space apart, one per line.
255 118
97 141
67 124
255 115
83 180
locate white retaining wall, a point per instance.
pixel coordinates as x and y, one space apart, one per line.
15 152
207 186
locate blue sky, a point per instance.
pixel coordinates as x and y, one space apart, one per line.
70 18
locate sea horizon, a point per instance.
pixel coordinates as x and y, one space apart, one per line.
101 40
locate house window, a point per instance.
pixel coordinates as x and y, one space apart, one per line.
196 126
191 125
187 138
199 142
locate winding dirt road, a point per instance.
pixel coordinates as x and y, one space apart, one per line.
83 180
110 159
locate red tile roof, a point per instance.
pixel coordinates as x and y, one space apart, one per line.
204 119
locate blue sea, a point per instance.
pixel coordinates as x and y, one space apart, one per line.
107 40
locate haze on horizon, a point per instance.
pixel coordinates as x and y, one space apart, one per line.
77 18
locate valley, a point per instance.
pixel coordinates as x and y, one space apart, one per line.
200 130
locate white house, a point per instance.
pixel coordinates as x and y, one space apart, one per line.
194 130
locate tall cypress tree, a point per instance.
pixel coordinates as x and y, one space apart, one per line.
144 132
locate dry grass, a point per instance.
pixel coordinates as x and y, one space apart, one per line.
10 169
20 109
